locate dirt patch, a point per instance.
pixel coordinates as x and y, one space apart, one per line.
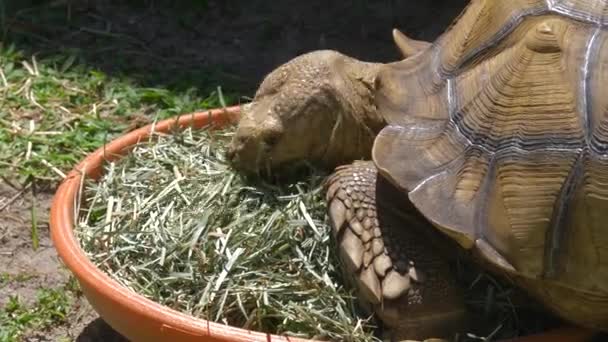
27 271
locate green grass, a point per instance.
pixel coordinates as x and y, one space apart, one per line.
6 278
53 111
50 308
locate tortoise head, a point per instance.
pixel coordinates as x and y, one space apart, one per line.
318 107
273 132
288 118
306 110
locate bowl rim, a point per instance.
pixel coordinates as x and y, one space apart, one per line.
62 217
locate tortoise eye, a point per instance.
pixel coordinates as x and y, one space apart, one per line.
271 140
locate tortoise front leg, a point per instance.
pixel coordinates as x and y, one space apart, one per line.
395 268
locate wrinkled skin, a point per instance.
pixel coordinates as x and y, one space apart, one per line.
317 107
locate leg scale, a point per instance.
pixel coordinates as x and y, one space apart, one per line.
385 248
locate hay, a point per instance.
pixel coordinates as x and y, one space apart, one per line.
173 222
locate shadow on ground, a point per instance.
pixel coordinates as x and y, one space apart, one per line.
204 44
98 330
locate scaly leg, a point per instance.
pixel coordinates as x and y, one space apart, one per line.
387 247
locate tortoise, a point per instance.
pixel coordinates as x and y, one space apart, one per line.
495 137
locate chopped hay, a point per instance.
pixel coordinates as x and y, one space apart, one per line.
173 222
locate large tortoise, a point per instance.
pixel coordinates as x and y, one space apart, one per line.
497 134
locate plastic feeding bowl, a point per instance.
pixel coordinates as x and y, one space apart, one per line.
134 316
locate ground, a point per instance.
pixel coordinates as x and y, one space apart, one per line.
75 73
36 290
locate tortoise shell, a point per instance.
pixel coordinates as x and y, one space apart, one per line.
499 134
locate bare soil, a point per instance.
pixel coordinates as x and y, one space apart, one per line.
28 269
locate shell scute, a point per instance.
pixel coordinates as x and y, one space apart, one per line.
597 102
586 10
514 162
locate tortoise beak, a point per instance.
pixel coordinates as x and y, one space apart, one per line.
234 152
244 154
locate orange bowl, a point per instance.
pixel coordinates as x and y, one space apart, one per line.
134 316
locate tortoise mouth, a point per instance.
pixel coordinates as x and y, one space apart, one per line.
264 169
252 158
247 159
